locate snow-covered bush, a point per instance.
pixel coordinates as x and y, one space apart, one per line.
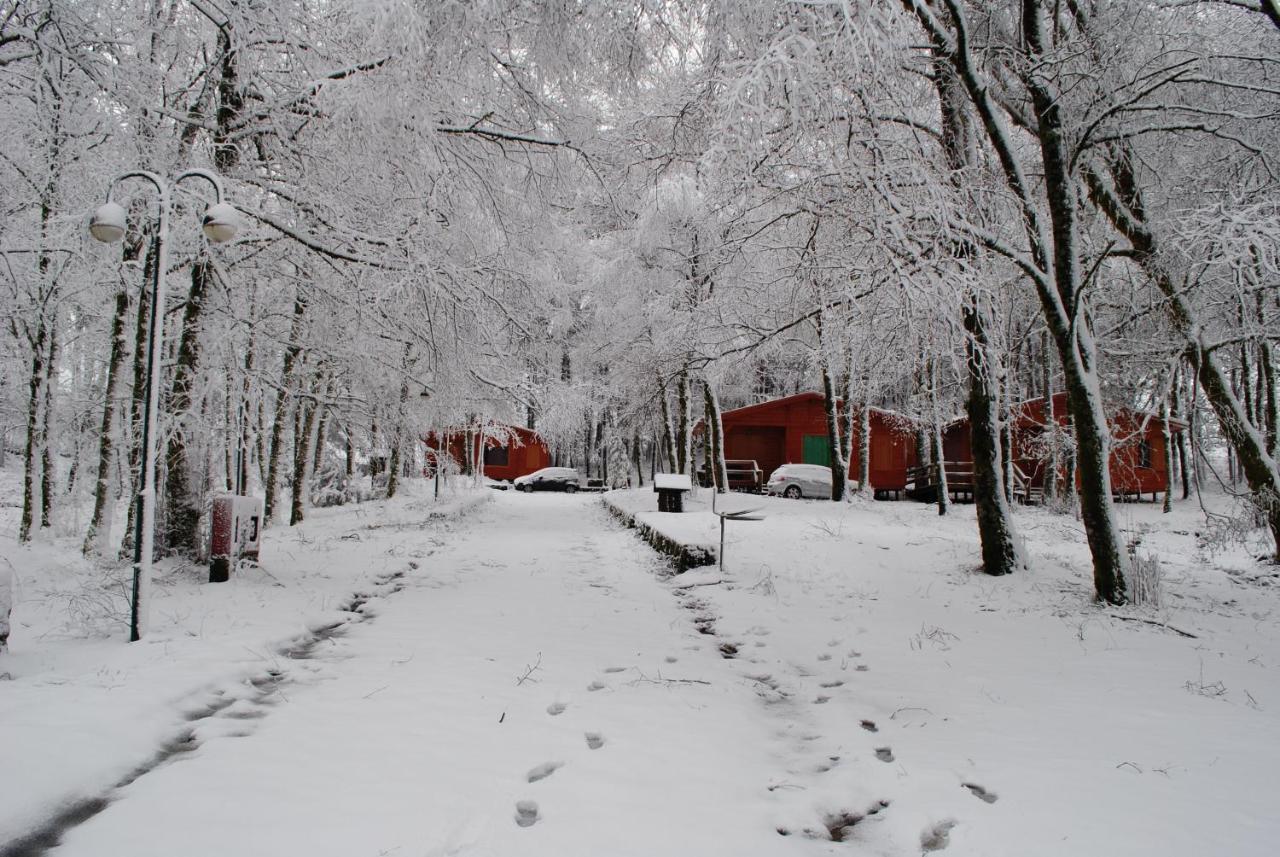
6 603
1144 576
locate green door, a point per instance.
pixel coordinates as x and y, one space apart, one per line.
817 450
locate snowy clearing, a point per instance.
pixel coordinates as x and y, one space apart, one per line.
525 676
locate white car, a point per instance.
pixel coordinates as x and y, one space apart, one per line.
548 479
801 480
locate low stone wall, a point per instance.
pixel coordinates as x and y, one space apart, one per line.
681 556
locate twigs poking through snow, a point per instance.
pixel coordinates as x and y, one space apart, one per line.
894 715
1210 690
1164 625
529 671
644 679
940 638
692 585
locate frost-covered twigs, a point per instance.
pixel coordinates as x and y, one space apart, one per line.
530 669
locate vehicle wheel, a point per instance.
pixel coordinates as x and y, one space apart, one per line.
793 491
571 489
528 489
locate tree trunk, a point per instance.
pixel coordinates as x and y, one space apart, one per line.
106 443
1121 201
182 513
831 408
317 461
31 452
141 332
402 416
846 420
47 477
668 434
637 459
864 451
1070 327
683 426
939 454
715 430
283 397
1054 254
995 521
1166 434
301 455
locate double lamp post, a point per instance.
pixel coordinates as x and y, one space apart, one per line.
109 224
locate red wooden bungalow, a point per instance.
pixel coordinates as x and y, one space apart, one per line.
515 452
1137 453
793 430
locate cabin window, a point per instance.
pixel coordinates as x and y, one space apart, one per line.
498 456
1144 453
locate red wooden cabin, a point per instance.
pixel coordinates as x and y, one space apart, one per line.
515 451
1137 454
793 430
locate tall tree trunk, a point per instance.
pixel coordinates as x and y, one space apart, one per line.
1267 381
846 418
1166 433
182 513
402 416
31 452
141 331
301 455
708 473
864 450
715 431
991 468
636 458
283 399
1070 327
1054 254
48 479
668 433
322 429
684 453
995 521
831 408
939 453
1184 470
106 442
1121 200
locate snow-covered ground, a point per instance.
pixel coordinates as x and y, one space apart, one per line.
520 676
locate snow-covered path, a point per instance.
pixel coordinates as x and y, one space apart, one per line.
533 689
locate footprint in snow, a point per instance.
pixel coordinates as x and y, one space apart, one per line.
541 772
830 684
595 685
556 708
825 656
821 699
884 754
671 659
869 725
594 740
980 793
526 813
937 837
615 669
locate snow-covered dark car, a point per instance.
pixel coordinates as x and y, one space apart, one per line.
548 479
